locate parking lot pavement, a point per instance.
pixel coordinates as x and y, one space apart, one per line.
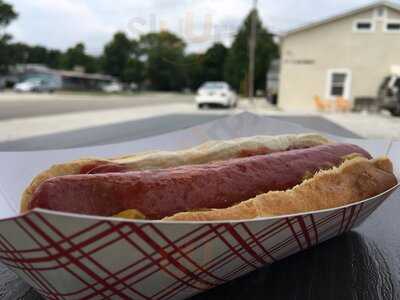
52 117
23 127
136 129
20 128
17 105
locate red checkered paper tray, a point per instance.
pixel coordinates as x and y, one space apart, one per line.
66 256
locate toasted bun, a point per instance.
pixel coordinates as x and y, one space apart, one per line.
204 153
355 180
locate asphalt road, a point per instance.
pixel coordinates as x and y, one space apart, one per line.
31 105
132 130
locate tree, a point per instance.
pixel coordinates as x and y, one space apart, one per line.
7 14
18 53
208 66
164 54
121 58
54 59
92 64
5 53
116 55
74 56
37 55
194 70
133 71
214 61
236 65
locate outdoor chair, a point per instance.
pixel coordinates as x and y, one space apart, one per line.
342 104
322 105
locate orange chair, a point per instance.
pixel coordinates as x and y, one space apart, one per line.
322 105
342 104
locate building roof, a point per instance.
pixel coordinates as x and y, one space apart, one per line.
65 73
343 15
82 75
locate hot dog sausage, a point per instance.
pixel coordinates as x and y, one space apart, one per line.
161 193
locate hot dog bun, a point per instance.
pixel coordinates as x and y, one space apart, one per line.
355 180
164 192
205 153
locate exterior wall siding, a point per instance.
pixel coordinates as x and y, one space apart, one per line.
308 55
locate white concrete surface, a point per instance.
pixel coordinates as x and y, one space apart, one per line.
369 125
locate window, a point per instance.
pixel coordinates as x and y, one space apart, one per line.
392 26
338 84
363 26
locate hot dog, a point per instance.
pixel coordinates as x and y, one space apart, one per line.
354 180
188 192
204 153
161 193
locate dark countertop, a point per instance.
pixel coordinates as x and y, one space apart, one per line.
362 264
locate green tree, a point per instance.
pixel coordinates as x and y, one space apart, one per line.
54 59
116 55
18 53
133 71
236 65
194 70
92 64
214 61
164 54
121 59
37 55
7 14
21 53
74 56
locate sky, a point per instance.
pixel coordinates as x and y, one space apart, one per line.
63 23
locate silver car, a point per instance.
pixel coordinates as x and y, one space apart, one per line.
34 85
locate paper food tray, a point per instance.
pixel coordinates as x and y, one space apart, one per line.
67 256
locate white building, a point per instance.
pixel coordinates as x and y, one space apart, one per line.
344 56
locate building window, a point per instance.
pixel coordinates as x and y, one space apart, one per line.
338 84
392 26
363 26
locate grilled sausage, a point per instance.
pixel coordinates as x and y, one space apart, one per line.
161 193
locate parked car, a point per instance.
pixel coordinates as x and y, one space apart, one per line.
34 85
389 94
216 93
113 87
133 87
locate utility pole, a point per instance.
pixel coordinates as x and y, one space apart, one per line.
252 51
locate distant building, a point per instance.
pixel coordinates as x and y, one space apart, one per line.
61 79
347 56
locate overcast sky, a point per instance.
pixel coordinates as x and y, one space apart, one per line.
62 23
